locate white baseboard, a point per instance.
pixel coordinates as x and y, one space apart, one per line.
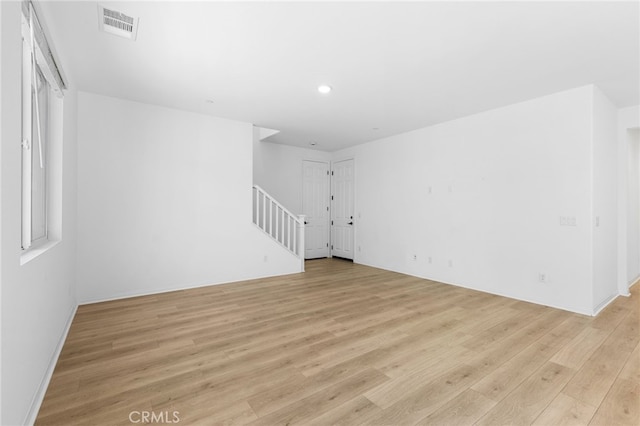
151 292
496 293
604 304
633 282
44 384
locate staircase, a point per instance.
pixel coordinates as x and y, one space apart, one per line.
279 223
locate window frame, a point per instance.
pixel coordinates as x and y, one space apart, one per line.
37 138
30 149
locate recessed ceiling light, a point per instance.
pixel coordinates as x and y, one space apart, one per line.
376 128
324 89
209 101
312 143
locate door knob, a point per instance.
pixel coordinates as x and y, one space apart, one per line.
350 223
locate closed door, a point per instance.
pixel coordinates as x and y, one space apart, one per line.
315 206
342 222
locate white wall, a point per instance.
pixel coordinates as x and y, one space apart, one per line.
485 192
633 225
164 201
2 49
278 170
628 118
604 220
38 298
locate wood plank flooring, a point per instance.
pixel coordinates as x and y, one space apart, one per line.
345 344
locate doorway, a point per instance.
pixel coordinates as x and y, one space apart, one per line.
315 206
342 208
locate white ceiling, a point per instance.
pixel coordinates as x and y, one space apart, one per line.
393 66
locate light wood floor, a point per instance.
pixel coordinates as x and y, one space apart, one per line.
346 344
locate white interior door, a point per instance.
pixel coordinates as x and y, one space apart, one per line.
315 205
342 183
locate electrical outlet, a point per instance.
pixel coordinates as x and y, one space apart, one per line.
429 259
414 257
543 277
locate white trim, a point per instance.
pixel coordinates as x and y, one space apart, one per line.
508 296
604 304
36 402
129 295
633 282
274 201
36 250
27 144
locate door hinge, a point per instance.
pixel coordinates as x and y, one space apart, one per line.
331 173
327 208
327 172
331 246
331 222
332 198
327 244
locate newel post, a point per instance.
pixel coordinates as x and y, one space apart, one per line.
301 247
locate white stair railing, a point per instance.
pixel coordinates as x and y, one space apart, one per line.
279 223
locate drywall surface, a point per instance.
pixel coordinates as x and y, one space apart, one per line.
604 221
39 297
480 201
1 140
164 201
633 214
628 120
278 170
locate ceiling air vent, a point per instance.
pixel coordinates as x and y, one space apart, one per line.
117 23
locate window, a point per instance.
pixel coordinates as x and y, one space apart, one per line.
41 85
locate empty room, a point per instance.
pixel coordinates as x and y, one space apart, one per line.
319 213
